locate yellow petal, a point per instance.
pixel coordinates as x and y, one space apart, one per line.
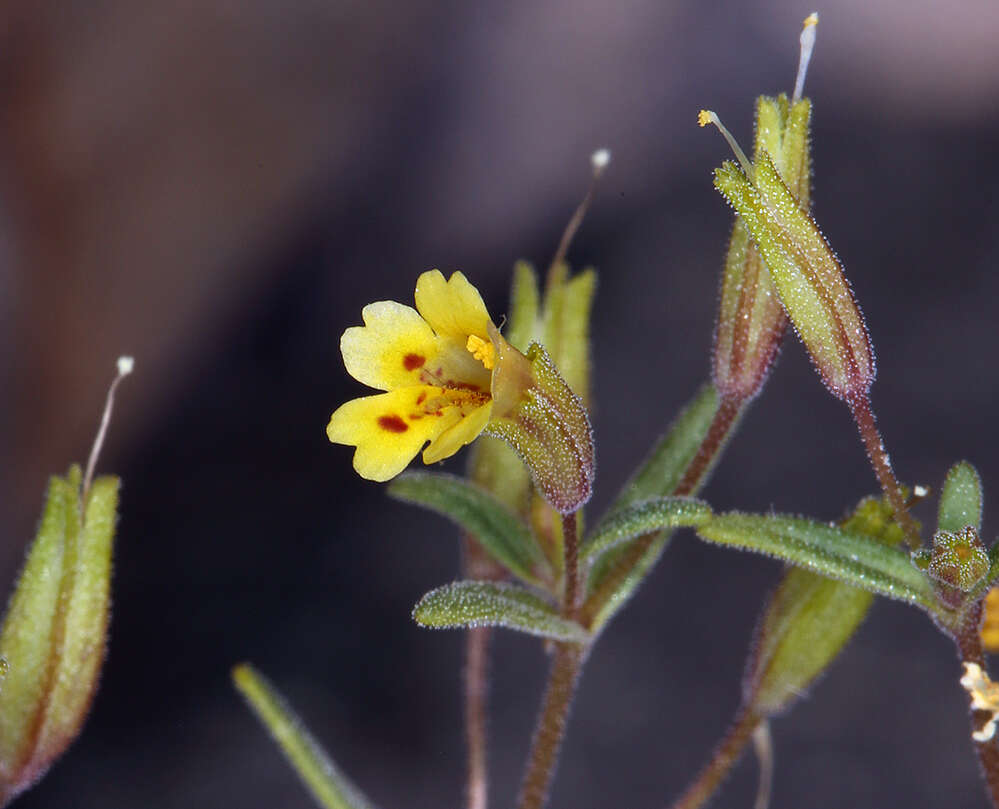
389 429
463 432
454 308
392 349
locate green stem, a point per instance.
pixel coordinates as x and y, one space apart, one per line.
566 664
725 756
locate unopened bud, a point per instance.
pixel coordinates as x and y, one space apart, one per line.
54 632
809 620
55 628
957 559
537 413
806 273
751 320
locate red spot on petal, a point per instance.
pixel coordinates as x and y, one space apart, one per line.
413 361
392 423
421 398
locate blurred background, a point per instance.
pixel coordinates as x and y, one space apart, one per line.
219 187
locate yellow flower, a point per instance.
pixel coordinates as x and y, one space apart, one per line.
436 363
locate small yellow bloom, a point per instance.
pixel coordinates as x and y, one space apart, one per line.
436 365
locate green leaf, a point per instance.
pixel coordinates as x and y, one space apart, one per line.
827 550
327 784
480 603
659 475
607 564
652 515
961 499
505 537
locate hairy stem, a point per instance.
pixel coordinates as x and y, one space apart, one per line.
699 466
969 647
725 756
566 665
477 565
476 706
570 544
860 407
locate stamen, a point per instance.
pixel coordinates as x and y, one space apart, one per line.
705 117
125 366
482 350
807 40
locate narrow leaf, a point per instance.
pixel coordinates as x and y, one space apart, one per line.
664 468
505 537
327 784
961 499
478 603
827 550
652 515
613 579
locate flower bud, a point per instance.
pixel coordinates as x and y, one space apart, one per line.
806 273
751 320
957 559
809 620
54 632
537 413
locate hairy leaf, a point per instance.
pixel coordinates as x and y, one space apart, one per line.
503 535
479 603
827 550
652 515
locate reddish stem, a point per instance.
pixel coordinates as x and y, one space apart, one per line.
476 705
968 640
570 544
860 407
477 565
566 664
725 756
699 466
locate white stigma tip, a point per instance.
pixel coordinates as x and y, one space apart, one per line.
599 159
807 41
920 491
125 366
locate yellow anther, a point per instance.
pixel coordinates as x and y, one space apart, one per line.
703 118
811 20
984 697
482 350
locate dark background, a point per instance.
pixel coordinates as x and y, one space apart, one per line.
219 187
